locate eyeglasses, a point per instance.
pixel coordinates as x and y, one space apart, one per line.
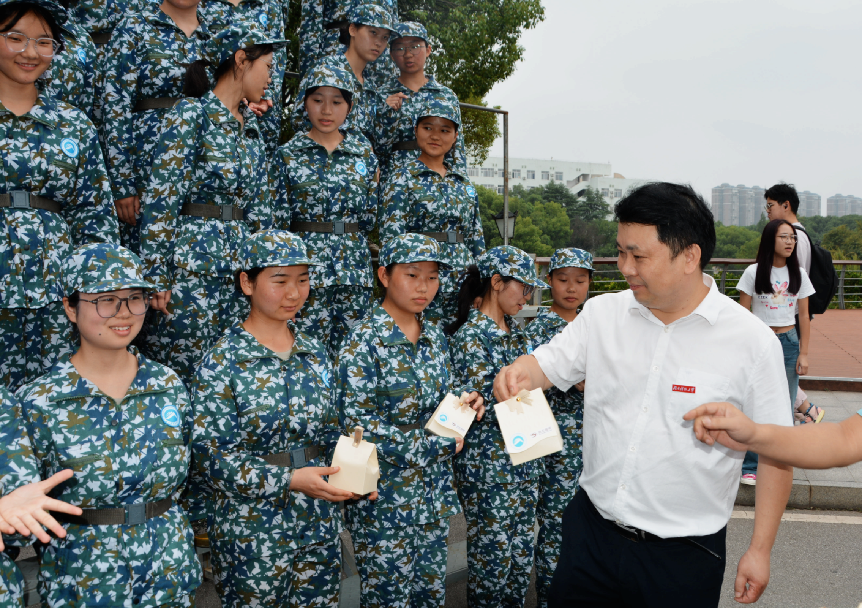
109 306
788 238
402 50
17 43
528 289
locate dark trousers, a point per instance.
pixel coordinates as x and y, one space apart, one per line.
603 566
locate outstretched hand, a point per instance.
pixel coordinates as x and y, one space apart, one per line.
25 509
395 100
723 423
309 481
511 380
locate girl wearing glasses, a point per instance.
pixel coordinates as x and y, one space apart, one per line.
776 289
431 196
54 193
499 498
121 422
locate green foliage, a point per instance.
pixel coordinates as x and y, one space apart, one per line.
481 129
729 240
293 18
590 206
844 243
818 226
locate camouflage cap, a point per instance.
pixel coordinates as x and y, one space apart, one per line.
59 13
508 261
274 248
439 108
327 73
101 267
571 258
373 16
409 248
236 36
411 29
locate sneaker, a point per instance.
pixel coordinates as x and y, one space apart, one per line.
749 479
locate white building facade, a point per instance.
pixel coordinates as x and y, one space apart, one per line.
532 172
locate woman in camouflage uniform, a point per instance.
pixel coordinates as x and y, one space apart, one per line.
54 193
569 276
265 426
499 498
122 423
393 371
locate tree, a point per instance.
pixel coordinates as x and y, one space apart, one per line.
844 243
730 239
591 206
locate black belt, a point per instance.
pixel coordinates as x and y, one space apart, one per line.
406 145
295 458
406 428
336 25
452 236
156 103
325 227
129 515
21 199
218 212
101 38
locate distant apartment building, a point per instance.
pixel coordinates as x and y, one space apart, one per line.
737 205
612 188
809 204
839 204
532 172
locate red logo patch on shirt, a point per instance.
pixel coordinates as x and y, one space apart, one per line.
679 388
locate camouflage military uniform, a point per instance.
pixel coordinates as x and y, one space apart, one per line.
72 77
17 468
204 156
52 151
499 498
146 60
271 546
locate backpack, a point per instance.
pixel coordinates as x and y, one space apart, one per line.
823 277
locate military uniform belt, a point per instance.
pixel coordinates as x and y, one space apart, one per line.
327 227
156 103
406 428
100 38
295 458
406 145
336 25
129 515
446 237
21 199
218 212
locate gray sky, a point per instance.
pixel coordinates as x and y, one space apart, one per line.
700 91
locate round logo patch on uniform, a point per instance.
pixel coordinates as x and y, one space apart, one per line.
171 415
325 377
263 19
69 147
517 441
82 55
471 191
361 169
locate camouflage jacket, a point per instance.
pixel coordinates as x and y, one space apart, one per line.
249 402
396 126
134 451
417 199
315 186
204 156
568 407
103 15
72 77
385 381
52 151
480 350
146 58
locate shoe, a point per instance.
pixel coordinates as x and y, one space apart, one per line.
815 416
749 479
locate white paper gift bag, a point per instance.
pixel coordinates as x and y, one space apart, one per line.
452 418
529 428
358 461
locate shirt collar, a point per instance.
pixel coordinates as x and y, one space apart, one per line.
153 12
417 168
246 347
351 144
218 114
487 325
549 316
709 308
389 332
43 111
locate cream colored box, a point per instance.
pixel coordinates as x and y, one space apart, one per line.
452 418
358 461
528 425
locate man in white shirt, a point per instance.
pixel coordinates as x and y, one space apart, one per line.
782 203
648 526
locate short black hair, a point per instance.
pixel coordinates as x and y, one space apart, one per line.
783 193
11 14
680 215
252 273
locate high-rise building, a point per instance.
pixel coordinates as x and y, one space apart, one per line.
737 205
809 204
839 204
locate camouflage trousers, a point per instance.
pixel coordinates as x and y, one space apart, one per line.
557 488
307 578
330 312
500 530
202 308
11 583
32 340
443 309
402 567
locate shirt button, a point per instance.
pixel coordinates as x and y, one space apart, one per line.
622 486
114 423
655 368
646 409
632 448
666 329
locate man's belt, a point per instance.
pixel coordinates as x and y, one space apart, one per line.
100 38
129 515
446 237
325 227
406 145
295 458
21 199
406 428
156 103
218 212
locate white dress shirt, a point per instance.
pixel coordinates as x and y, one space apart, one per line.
803 248
643 466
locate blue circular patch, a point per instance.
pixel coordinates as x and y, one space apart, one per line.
263 19
443 418
325 377
471 191
361 169
82 55
518 441
171 416
69 147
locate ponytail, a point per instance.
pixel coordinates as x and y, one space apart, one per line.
472 286
197 81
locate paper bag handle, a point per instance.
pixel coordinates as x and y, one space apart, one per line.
357 436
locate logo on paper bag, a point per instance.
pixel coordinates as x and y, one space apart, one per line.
517 441
443 418
171 416
679 388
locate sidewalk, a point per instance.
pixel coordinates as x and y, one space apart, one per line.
835 352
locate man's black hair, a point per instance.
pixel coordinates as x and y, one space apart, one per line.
783 193
680 215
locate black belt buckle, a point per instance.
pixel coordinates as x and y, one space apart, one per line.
337 227
136 514
226 212
451 237
298 459
19 199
